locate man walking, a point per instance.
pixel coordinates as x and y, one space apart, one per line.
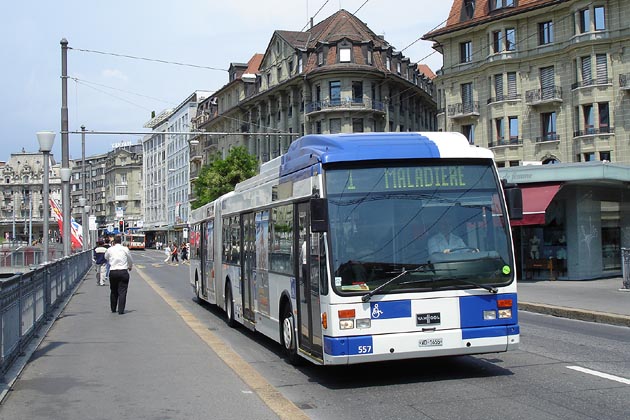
101 262
120 264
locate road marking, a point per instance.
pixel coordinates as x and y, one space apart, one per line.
601 374
277 402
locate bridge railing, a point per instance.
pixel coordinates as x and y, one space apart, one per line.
28 300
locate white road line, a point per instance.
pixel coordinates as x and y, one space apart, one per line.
601 374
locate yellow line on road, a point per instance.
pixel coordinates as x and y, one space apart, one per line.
282 406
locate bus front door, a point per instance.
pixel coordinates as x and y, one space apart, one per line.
309 317
249 259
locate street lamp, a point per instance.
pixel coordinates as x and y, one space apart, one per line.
82 202
46 140
65 174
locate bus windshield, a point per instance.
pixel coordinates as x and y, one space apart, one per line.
427 227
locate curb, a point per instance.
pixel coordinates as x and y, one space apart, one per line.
579 314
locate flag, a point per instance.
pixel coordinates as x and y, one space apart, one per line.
76 230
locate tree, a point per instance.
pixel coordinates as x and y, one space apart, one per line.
220 176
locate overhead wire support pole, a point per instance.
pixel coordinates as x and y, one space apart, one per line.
65 150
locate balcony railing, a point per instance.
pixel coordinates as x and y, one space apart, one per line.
548 138
357 103
465 109
545 95
500 98
512 141
592 82
594 131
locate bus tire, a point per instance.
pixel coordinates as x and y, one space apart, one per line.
197 288
287 336
229 306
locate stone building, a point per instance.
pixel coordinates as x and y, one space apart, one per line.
21 205
537 80
335 77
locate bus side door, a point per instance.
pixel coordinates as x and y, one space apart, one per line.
308 291
248 279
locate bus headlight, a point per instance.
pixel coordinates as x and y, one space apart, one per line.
346 324
364 323
505 313
489 315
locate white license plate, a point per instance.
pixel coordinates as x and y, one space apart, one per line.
430 342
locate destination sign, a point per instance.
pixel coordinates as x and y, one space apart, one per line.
405 178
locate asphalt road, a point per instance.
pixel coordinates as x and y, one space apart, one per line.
564 369
559 372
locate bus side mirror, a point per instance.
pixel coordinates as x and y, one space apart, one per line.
319 215
514 200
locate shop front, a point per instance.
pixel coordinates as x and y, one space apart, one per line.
576 219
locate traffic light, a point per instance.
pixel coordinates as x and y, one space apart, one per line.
121 225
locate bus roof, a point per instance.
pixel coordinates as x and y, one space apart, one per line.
328 148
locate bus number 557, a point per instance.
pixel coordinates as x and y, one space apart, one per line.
364 349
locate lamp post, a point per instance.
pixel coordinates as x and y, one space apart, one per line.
46 140
65 174
65 151
83 224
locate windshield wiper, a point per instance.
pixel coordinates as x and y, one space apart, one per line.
491 289
423 267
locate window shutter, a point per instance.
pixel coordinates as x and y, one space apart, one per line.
601 62
547 82
498 86
586 70
511 80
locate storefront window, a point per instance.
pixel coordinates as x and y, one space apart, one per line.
611 236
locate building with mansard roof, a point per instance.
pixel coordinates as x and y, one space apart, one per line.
337 76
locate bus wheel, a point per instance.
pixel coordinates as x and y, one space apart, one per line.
197 288
288 336
229 306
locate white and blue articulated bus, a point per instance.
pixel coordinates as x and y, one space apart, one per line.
355 248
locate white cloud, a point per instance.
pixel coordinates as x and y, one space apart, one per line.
114 74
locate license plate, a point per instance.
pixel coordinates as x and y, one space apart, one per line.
430 342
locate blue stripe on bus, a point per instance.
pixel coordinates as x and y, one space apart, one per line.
485 332
348 346
390 309
471 310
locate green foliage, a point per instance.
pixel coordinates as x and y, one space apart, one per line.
220 176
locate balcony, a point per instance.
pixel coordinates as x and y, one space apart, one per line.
548 138
624 82
591 83
505 98
356 104
594 131
512 141
464 110
548 95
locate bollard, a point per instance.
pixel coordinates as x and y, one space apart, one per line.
625 269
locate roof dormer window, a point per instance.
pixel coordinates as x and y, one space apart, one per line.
469 9
345 54
501 4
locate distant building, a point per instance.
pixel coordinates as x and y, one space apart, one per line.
21 205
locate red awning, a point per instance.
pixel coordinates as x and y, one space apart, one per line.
536 199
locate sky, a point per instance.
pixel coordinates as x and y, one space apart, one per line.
110 92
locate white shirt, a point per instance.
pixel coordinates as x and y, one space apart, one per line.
119 257
440 243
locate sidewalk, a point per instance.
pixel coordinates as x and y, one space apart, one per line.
147 363
588 300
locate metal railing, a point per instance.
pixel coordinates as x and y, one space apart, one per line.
27 301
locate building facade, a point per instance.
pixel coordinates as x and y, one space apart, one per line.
167 159
539 81
335 77
21 206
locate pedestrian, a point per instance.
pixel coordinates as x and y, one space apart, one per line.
174 254
107 244
167 252
184 249
120 263
101 262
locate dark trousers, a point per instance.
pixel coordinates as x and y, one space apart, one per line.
118 284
